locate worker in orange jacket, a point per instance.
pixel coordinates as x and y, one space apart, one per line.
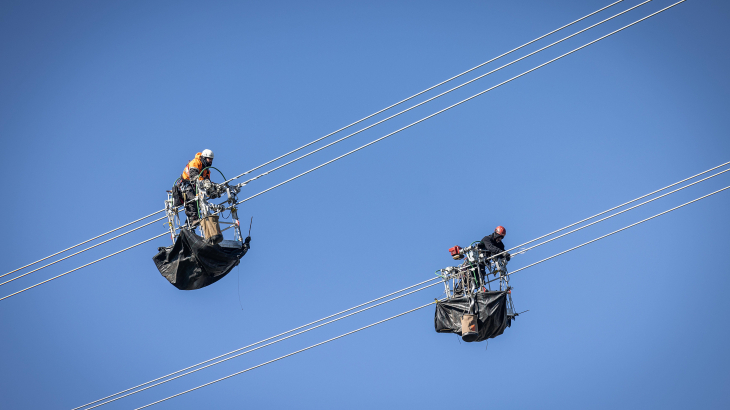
192 171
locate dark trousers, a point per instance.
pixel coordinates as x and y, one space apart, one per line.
188 191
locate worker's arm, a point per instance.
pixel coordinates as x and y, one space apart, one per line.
487 244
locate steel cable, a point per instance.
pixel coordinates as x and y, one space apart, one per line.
290 354
363 119
259 342
79 244
614 208
619 213
426 90
614 232
262 346
431 303
82 251
83 266
418 284
461 102
419 121
442 94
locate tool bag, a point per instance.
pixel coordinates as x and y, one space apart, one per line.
177 197
210 226
469 331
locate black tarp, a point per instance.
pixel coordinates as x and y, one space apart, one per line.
491 310
191 263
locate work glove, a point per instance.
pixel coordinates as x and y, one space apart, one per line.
507 256
247 240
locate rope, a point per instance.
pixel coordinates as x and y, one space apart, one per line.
81 251
83 266
462 101
262 346
442 94
616 231
424 91
79 244
290 354
259 342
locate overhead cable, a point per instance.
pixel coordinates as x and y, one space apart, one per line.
611 216
430 116
83 266
259 342
616 231
82 251
462 101
290 354
431 303
79 244
426 90
441 94
262 346
402 290
616 207
343 128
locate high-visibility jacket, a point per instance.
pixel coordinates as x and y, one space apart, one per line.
196 163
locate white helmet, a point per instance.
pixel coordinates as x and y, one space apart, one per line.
207 154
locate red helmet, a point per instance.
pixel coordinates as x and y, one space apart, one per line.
500 230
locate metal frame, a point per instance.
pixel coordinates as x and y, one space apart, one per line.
206 208
471 276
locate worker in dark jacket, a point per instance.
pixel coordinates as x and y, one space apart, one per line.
493 243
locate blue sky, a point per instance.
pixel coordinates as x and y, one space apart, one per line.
102 104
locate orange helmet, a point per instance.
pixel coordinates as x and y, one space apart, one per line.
500 230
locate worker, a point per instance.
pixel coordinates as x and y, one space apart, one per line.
192 171
493 243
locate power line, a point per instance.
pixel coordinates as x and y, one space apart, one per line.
421 120
617 213
290 354
81 251
259 342
262 346
616 207
83 266
418 284
363 119
79 244
442 94
616 231
461 102
421 307
428 89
